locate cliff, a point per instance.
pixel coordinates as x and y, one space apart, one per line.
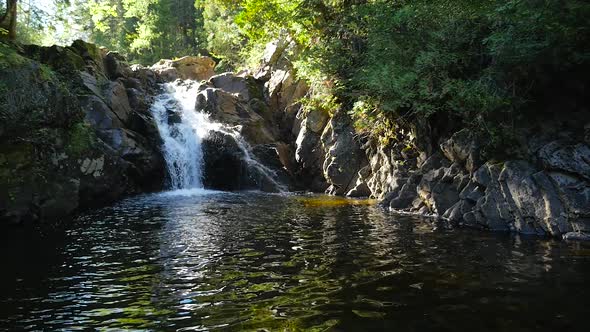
76 132
541 186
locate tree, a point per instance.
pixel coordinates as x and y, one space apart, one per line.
8 20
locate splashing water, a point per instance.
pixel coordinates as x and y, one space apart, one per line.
181 137
182 129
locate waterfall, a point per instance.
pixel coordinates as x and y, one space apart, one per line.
182 129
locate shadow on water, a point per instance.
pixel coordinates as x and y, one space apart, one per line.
247 261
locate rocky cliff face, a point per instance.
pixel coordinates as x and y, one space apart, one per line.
75 131
545 191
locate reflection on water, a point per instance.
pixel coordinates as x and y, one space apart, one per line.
196 261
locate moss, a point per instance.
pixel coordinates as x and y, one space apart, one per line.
87 50
80 139
69 59
46 73
9 58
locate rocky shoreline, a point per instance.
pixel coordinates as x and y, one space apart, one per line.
77 132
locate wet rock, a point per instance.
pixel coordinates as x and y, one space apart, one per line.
222 156
576 236
228 167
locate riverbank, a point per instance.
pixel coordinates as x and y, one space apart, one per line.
80 132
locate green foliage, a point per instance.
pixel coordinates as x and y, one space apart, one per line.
483 64
322 102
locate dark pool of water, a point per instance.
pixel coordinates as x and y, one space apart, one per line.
284 263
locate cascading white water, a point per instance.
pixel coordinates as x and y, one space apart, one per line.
182 136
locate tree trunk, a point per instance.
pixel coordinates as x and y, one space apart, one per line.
8 19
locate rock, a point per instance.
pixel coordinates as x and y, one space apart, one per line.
199 68
244 88
571 158
118 101
462 149
456 212
491 212
98 114
575 236
232 110
574 193
471 192
277 158
407 193
274 56
222 156
343 158
116 66
360 189
533 200
438 191
82 149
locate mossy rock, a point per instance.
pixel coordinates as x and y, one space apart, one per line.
80 139
9 57
33 96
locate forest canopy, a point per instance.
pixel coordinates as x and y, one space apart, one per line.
485 62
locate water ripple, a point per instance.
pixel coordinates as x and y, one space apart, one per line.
223 262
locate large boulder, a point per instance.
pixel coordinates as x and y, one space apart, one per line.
199 68
229 165
233 101
222 157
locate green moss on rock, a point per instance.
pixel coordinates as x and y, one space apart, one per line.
9 58
80 139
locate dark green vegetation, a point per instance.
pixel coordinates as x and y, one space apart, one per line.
486 65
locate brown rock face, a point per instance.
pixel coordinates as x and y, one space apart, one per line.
199 68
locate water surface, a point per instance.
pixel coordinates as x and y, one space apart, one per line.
198 261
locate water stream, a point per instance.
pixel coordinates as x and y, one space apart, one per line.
182 129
